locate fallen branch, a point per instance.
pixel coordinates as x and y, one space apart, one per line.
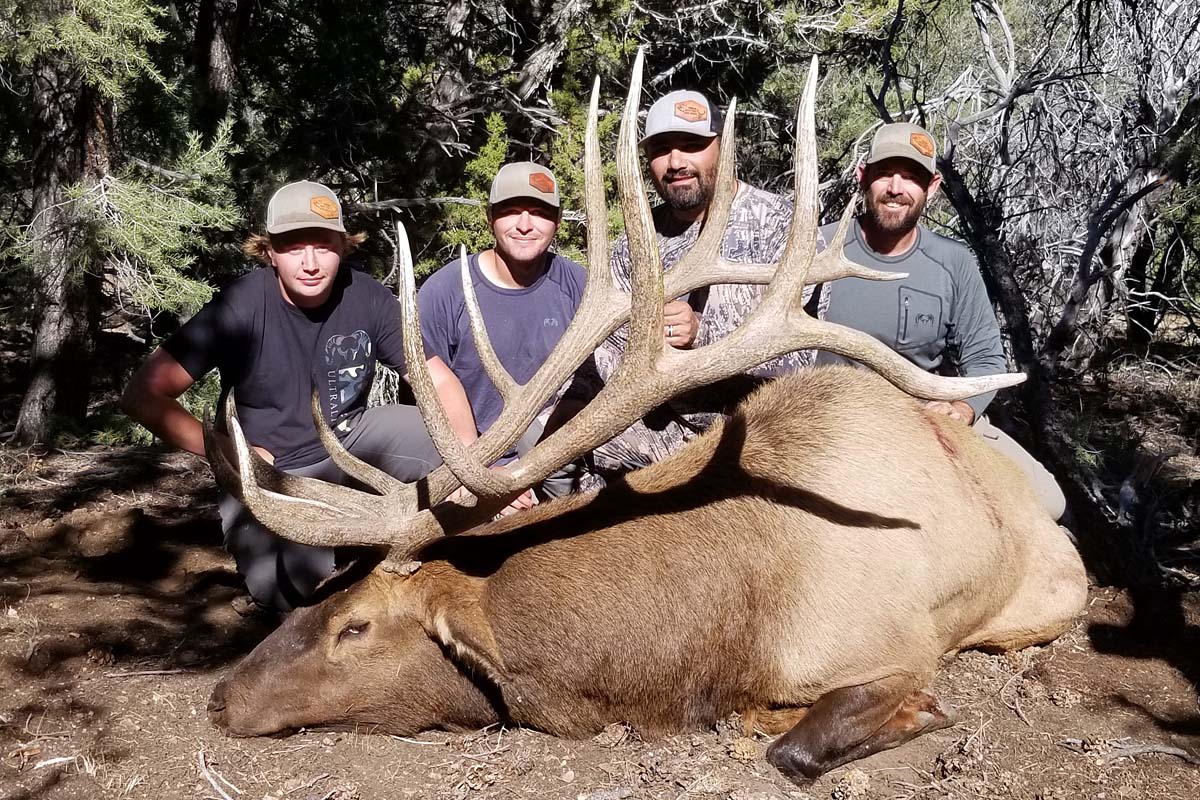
141 672
208 776
417 741
1131 750
1122 748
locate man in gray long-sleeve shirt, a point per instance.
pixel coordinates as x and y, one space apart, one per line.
939 317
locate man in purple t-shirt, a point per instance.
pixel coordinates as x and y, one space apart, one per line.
528 296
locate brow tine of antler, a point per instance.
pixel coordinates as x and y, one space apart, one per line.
645 320
500 377
353 466
304 510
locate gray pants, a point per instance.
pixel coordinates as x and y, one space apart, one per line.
1045 487
281 573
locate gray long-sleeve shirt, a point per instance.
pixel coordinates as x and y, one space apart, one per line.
938 316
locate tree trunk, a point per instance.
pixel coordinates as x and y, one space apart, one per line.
552 40
220 25
1141 311
73 128
450 94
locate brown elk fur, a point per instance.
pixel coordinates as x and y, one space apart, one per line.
828 542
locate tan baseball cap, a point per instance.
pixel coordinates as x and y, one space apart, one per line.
304 204
524 179
682 112
904 140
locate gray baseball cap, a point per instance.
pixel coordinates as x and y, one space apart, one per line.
682 112
304 204
524 179
904 140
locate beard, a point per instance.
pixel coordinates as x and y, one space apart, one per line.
896 221
691 196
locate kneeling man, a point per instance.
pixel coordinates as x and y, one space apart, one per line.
528 295
940 314
302 320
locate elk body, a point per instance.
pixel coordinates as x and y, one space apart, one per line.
808 561
826 545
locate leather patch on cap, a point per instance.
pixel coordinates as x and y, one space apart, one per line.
691 111
922 144
542 182
323 207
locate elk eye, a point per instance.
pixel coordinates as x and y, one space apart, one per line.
353 629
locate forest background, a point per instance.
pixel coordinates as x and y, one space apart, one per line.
140 140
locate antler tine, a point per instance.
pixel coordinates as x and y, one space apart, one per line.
356 468
305 510
226 476
499 376
801 244
595 205
646 287
694 268
469 472
832 263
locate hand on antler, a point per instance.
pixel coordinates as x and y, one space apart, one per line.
680 324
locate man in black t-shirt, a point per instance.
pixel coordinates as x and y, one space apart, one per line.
273 334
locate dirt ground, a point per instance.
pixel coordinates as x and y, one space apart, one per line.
115 623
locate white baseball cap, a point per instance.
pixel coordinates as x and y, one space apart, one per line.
682 112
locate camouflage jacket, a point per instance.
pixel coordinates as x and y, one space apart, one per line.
756 234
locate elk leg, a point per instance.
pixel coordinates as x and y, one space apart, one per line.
852 723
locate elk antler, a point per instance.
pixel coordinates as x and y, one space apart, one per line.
408 516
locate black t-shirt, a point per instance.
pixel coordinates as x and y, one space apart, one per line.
272 354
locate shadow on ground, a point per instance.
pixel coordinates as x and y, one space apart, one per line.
1163 626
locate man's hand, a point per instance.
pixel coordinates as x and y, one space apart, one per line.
680 324
525 501
955 409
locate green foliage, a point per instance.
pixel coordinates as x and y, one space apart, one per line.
155 228
150 229
105 41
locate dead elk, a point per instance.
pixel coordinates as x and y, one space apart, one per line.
813 555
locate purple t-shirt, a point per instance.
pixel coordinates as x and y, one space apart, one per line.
524 325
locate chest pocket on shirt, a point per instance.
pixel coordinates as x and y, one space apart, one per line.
920 318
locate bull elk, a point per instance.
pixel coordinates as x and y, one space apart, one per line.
807 561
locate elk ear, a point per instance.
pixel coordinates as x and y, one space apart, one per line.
459 625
